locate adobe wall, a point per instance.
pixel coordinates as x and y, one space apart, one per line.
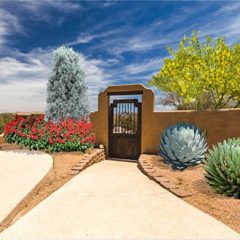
219 125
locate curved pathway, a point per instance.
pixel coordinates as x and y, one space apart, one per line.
20 171
114 200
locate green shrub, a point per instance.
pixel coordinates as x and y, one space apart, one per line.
222 165
5 118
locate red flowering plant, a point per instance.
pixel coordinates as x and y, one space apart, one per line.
37 134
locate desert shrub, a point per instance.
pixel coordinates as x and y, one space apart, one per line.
37 134
5 118
222 167
182 145
201 75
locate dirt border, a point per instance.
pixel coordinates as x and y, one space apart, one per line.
2 140
145 165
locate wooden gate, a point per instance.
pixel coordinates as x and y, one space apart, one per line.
125 129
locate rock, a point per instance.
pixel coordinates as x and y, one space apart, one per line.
181 192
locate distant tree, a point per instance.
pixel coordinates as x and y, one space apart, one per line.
201 75
66 88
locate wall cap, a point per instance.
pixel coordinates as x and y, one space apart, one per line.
124 87
205 110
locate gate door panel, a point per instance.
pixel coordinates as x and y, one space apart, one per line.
125 129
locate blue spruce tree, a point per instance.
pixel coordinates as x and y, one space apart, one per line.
66 88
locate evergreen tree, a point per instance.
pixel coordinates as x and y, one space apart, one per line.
66 88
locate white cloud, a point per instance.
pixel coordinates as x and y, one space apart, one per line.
110 62
41 9
229 28
151 65
88 37
9 24
108 3
145 38
81 39
65 6
97 79
162 32
24 76
229 8
14 70
23 82
28 96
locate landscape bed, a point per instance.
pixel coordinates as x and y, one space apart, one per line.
191 182
199 194
2 140
5 118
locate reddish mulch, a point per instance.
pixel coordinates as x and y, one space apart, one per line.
225 209
2 140
55 178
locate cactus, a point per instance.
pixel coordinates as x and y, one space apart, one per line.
183 145
222 167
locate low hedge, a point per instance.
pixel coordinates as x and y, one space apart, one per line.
37 134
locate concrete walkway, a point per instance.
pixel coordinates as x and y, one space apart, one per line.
20 171
114 200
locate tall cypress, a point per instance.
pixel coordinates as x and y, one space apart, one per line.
66 88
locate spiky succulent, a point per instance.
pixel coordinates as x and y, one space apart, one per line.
183 145
222 165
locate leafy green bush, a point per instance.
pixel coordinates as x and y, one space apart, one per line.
183 145
5 118
37 134
223 167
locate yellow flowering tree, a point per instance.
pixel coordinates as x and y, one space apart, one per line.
202 75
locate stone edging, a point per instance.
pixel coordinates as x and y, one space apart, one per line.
145 165
88 159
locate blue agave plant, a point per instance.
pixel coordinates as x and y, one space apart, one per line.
183 145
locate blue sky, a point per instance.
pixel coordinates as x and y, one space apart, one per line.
120 42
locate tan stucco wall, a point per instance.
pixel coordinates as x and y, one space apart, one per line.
219 125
